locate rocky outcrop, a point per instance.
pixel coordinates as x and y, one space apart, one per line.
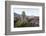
32 21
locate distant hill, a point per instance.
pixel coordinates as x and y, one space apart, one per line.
15 14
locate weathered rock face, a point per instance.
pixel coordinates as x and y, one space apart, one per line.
34 21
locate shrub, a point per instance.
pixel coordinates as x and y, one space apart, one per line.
21 23
18 23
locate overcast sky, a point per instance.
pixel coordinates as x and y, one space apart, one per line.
28 11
